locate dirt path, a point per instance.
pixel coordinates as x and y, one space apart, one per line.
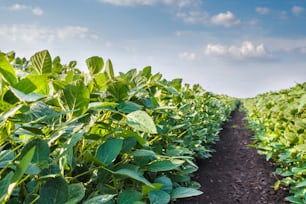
236 173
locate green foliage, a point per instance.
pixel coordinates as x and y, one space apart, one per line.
279 122
71 137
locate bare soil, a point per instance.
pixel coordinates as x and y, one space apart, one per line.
236 173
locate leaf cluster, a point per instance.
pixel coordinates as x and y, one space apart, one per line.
73 137
279 122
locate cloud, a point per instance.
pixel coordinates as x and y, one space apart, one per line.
227 19
37 11
193 17
35 33
247 50
20 7
187 56
303 50
262 10
296 10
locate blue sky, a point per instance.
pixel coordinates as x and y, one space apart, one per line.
239 48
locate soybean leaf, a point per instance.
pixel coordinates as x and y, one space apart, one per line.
100 199
7 72
76 97
129 196
183 192
294 199
23 165
34 83
301 184
94 64
128 107
30 97
42 150
54 191
146 189
76 193
109 69
42 62
141 121
119 90
167 183
108 151
159 197
144 153
134 175
4 184
164 165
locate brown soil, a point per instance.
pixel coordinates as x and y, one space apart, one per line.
236 173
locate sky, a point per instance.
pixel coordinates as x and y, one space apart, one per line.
234 47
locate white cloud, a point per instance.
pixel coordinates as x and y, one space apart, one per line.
187 56
227 19
246 50
215 50
37 11
303 50
193 17
20 7
17 7
262 10
296 10
35 33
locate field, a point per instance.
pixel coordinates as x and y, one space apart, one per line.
69 136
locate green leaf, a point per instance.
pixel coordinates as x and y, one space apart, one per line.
294 199
10 113
159 197
128 107
42 150
128 144
183 192
76 193
301 184
33 169
76 97
94 64
100 199
167 183
134 175
31 97
34 83
164 165
53 191
23 165
108 151
109 69
144 153
146 189
4 184
42 62
101 80
141 121
7 72
119 90
129 197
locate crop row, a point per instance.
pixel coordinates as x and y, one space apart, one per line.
68 136
279 122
